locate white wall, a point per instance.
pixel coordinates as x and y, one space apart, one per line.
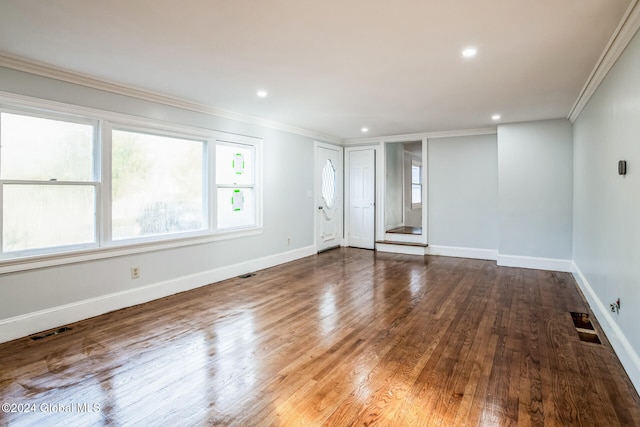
393 186
288 212
412 216
463 192
535 182
606 243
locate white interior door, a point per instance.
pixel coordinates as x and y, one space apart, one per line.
329 196
362 198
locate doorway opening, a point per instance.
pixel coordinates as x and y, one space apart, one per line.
404 192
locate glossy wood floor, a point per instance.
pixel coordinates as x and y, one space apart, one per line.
349 337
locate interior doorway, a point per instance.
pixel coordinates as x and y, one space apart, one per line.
405 192
361 195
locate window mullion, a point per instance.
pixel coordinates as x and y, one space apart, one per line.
105 154
212 188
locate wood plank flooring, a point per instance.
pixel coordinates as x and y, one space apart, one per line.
406 230
346 338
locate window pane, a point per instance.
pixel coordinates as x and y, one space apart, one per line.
235 207
43 216
157 185
416 193
234 164
43 149
329 184
415 174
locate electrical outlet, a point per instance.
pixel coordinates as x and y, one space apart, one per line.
615 306
135 272
288 241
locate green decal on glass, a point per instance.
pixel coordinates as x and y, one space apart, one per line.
238 163
237 201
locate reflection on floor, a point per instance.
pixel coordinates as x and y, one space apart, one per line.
406 230
350 337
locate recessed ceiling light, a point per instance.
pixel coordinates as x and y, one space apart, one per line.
469 52
364 130
496 117
262 93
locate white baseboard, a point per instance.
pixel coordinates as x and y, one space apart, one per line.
550 264
30 323
401 249
622 347
452 251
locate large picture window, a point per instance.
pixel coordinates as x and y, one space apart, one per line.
157 185
49 190
75 184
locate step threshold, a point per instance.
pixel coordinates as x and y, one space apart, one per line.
390 242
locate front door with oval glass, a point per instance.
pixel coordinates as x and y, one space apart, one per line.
329 196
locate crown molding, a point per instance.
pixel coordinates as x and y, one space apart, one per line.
46 70
628 27
420 136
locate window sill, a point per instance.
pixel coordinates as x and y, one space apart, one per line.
82 255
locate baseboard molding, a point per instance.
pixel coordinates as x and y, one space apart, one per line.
458 252
622 347
549 264
30 323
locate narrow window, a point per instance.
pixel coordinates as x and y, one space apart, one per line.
235 181
416 184
49 189
157 185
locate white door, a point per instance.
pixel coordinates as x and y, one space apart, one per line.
329 196
362 198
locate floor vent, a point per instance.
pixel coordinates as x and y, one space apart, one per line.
246 276
584 327
49 333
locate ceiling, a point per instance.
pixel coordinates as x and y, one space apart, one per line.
331 66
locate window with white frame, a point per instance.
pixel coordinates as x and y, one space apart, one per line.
235 182
49 188
157 185
416 184
72 182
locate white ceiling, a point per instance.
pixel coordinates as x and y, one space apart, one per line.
331 66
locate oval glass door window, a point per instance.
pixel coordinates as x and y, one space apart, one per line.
329 184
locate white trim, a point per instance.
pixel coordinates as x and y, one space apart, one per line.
22 104
459 252
549 264
629 25
30 323
419 136
61 258
50 71
622 347
425 190
401 249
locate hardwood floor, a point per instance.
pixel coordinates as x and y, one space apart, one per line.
348 337
406 230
